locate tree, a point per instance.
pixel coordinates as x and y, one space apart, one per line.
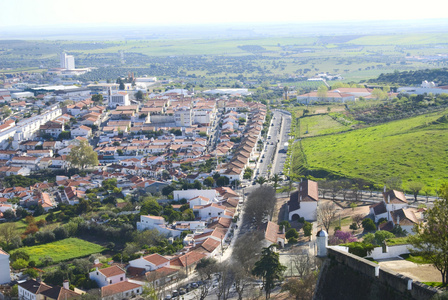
139 95
260 180
394 183
368 225
326 214
269 268
322 92
431 238
415 187
8 232
83 155
205 268
222 181
275 179
209 181
6 111
301 288
259 206
97 98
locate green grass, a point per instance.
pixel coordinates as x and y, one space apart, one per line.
62 250
415 259
319 125
21 224
397 241
435 284
412 149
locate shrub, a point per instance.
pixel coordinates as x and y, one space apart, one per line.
353 226
284 224
291 235
368 225
307 228
359 249
20 254
20 263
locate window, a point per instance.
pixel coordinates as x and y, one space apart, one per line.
121 278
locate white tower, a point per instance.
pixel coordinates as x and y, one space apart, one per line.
322 243
5 272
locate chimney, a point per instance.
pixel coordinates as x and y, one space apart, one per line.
398 220
66 285
388 198
384 190
96 261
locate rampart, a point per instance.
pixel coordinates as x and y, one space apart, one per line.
346 276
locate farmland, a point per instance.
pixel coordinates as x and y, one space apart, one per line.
275 59
414 149
62 250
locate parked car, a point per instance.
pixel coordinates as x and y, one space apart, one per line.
182 291
194 285
175 293
167 297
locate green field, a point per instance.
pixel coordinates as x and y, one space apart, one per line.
62 250
320 125
413 149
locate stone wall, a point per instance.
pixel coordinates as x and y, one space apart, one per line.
346 276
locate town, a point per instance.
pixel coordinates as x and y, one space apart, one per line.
148 187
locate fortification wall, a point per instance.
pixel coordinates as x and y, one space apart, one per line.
346 276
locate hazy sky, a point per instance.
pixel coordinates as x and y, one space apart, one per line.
32 13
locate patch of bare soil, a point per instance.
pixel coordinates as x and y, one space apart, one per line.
420 272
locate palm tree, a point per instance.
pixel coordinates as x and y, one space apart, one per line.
275 178
261 180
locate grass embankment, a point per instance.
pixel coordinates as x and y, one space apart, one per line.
62 250
414 149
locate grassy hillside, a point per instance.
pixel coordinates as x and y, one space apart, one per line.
413 149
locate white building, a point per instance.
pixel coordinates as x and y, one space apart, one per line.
5 273
118 99
303 202
158 223
31 289
183 117
189 194
108 276
150 262
67 61
121 290
425 88
82 131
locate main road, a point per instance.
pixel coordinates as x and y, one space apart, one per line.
273 155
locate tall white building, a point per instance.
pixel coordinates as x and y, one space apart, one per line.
5 275
67 61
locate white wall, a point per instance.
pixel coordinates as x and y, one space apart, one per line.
307 210
102 280
188 194
391 251
5 276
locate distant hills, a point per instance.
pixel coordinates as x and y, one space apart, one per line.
213 31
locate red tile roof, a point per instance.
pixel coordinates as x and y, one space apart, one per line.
156 259
119 287
112 271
